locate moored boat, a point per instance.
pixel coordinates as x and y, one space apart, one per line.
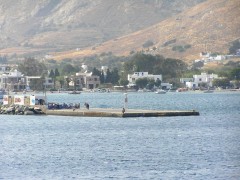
74 92
160 91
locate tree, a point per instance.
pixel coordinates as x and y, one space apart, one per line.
32 67
234 74
158 83
221 82
234 46
96 72
168 67
60 79
68 69
108 76
141 82
115 76
123 82
56 73
148 43
68 80
150 84
51 74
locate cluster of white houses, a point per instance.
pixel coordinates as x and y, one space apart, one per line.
206 57
191 83
13 80
197 80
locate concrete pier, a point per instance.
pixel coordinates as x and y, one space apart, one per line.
100 112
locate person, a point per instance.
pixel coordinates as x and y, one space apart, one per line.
86 105
123 110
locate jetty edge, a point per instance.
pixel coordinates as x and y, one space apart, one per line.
109 112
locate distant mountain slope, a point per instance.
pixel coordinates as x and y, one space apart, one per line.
209 26
47 25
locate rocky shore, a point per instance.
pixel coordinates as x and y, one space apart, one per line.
20 110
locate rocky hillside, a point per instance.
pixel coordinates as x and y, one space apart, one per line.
56 25
208 26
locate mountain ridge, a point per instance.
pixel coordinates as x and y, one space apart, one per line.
57 25
209 26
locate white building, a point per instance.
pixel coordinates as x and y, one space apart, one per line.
166 86
137 75
16 81
195 82
205 78
84 80
47 82
4 68
191 85
185 80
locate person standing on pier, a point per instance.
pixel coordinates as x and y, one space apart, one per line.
86 105
123 110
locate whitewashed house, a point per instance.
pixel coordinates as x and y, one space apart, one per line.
137 75
205 78
14 80
191 85
185 80
195 82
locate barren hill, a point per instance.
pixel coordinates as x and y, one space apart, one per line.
56 25
208 26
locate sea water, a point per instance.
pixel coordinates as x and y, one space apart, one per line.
181 147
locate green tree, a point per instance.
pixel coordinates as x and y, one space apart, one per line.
234 74
108 76
234 46
51 74
115 76
96 72
168 67
141 82
60 79
69 69
150 84
32 67
123 82
68 80
221 82
158 83
56 73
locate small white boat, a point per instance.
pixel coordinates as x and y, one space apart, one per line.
160 91
74 92
208 91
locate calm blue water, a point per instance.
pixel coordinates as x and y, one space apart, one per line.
193 147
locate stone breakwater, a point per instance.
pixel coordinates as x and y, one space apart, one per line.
21 110
93 112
